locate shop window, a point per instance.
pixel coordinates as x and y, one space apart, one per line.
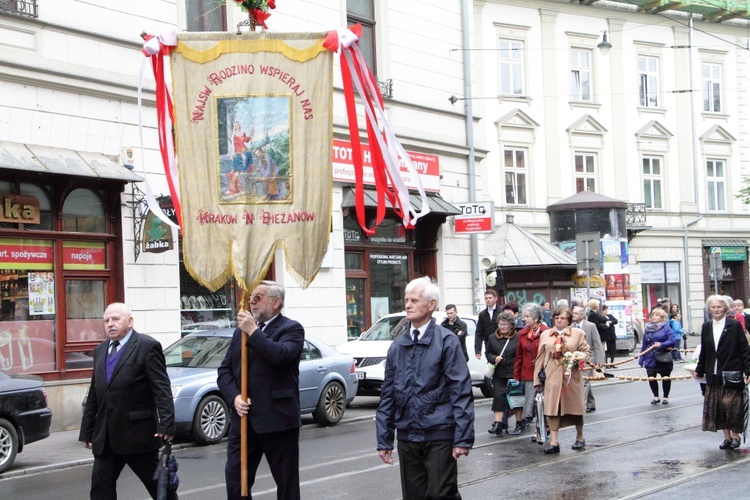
27 311
83 212
659 280
85 300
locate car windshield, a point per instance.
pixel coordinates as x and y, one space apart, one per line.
384 328
197 352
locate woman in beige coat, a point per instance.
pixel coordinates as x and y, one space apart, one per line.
563 388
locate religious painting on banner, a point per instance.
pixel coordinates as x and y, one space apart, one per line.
253 123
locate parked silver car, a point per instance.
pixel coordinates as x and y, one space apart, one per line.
327 383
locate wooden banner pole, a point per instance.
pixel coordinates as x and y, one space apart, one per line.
244 490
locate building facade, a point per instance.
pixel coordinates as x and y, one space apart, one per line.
658 119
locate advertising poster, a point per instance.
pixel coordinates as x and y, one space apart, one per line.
623 311
41 293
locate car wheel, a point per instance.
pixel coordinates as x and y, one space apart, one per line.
331 405
211 420
8 444
486 388
635 343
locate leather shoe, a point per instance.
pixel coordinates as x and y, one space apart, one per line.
497 428
590 410
553 448
726 444
519 430
734 444
579 445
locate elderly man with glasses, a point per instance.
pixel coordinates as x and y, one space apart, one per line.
275 343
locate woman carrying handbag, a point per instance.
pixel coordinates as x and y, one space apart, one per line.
501 351
658 361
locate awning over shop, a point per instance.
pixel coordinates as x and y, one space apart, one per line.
46 160
514 246
437 204
725 243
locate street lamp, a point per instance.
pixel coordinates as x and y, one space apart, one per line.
604 45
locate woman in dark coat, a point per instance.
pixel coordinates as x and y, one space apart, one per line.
610 337
658 333
501 351
724 348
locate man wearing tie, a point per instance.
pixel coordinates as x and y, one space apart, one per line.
275 343
426 400
486 321
129 408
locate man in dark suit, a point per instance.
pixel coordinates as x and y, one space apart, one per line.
275 343
129 408
486 321
597 353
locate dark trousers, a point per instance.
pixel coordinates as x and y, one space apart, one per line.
108 466
611 350
282 453
428 470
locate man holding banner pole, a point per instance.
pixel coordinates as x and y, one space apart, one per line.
271 408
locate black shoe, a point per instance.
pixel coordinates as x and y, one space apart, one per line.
497 428
553 448
726 444
655 401
528 420
579 445
519 430
590 410
734 444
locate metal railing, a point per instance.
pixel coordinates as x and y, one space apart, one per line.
636 214
26 8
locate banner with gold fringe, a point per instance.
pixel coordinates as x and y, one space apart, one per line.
253 124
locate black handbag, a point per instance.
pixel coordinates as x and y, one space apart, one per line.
732 379
664 356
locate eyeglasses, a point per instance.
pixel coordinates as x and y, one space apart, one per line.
258 297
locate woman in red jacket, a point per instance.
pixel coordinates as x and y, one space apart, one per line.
523 370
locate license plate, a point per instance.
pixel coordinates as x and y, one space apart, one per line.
360 375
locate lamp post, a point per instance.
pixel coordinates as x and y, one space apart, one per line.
687 272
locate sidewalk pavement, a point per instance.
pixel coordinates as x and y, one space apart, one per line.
62 449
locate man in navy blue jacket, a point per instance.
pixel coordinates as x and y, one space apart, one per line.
275 344
427 399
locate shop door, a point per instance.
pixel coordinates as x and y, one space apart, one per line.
389 274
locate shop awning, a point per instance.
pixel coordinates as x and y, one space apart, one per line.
437 204
46 160
514 246
725 243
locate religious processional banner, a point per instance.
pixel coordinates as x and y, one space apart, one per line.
253 123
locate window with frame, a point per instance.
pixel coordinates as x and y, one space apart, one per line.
585 172
363 12
652 181
715 180
206 15
511 67
648 81
515 176
711 78
580 74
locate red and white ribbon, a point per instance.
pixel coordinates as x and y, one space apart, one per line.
387 151
156 47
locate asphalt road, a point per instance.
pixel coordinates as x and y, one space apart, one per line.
634 450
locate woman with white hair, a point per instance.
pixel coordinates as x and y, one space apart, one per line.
725 362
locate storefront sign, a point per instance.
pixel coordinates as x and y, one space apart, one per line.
22 253
427 165
732 253
157 236
19 209
475 218
84 255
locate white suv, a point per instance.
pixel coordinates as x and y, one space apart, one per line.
371 347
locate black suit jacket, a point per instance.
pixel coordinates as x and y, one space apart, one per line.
273 375
733 353
486 326
134 405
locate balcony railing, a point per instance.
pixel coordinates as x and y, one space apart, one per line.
386 88
636 214
26 8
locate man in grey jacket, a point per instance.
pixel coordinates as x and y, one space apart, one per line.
597 352
427 399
